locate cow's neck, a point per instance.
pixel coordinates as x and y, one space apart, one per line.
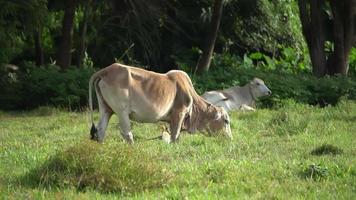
202 106
201 110
251 93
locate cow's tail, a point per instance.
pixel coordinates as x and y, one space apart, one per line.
92 81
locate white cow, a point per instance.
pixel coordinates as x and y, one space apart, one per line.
144 96
238 98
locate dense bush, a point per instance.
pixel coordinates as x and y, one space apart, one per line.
32 86
287 77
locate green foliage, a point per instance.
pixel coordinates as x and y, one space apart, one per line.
352 61
289 61
33 86
262 25
89 165
18 21
159 30
45 85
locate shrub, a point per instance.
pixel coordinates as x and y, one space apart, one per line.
288 78
45 85
106 168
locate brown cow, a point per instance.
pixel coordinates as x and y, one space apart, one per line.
147 97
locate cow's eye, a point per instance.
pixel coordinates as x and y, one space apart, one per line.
226 121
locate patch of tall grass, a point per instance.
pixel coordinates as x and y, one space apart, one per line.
89 165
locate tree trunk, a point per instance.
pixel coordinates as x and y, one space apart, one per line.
204 62
38 48
343 36
65 46
314 34
83 32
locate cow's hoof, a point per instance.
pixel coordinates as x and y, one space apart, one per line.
166 137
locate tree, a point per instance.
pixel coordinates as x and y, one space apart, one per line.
344 35
83 32
316 23
20 29
39 54
204 61
64 51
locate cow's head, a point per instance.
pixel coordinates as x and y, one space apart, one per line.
217 120
258 88
221 122
212 119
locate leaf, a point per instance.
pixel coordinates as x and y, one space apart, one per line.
256 56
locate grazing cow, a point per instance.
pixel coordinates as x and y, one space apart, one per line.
144 96
242 98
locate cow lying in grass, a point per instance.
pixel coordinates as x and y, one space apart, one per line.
238 98
144 96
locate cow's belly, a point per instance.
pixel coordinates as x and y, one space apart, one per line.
144 117
138 105
147 111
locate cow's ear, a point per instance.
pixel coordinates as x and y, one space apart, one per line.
218 115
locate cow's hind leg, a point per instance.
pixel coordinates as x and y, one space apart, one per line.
105 115
125 127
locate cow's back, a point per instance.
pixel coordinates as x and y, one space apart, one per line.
146 95
152 88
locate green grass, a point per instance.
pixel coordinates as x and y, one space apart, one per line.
45 154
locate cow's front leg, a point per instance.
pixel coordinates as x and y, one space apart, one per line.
125 127
176 124
245 107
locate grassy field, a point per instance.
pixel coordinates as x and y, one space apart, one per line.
293 152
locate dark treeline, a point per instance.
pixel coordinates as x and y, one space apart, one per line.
150 33
54 45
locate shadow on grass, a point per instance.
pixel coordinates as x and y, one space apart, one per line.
106 168
326 149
